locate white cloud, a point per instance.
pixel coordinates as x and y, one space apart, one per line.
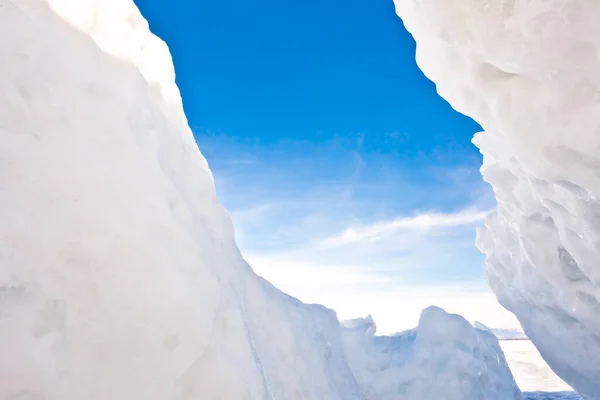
306 241
360 272
420 222
281 271
374 269
355 291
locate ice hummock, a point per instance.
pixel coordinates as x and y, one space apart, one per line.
444 358
527 72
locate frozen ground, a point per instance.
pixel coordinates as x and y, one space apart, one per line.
551 396
529 369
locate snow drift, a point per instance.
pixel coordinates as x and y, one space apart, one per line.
119 275
527 71
443 358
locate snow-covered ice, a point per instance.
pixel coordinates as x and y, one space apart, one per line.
529 369
119 275
527 71
444 358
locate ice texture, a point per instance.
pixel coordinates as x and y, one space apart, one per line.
444 358
119 275
528 72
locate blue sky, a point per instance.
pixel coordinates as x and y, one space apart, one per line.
350 181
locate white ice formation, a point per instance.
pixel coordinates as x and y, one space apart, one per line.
528 72
444 358
119 276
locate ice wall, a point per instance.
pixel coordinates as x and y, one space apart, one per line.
119 276
444 358
528 72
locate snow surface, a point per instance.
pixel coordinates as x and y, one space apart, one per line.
424 363
527 71
530 370
119 275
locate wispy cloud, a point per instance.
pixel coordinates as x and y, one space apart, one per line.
356 291
420 222
391 269
333 225
284 271
355 177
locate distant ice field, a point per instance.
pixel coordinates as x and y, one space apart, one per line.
532 374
